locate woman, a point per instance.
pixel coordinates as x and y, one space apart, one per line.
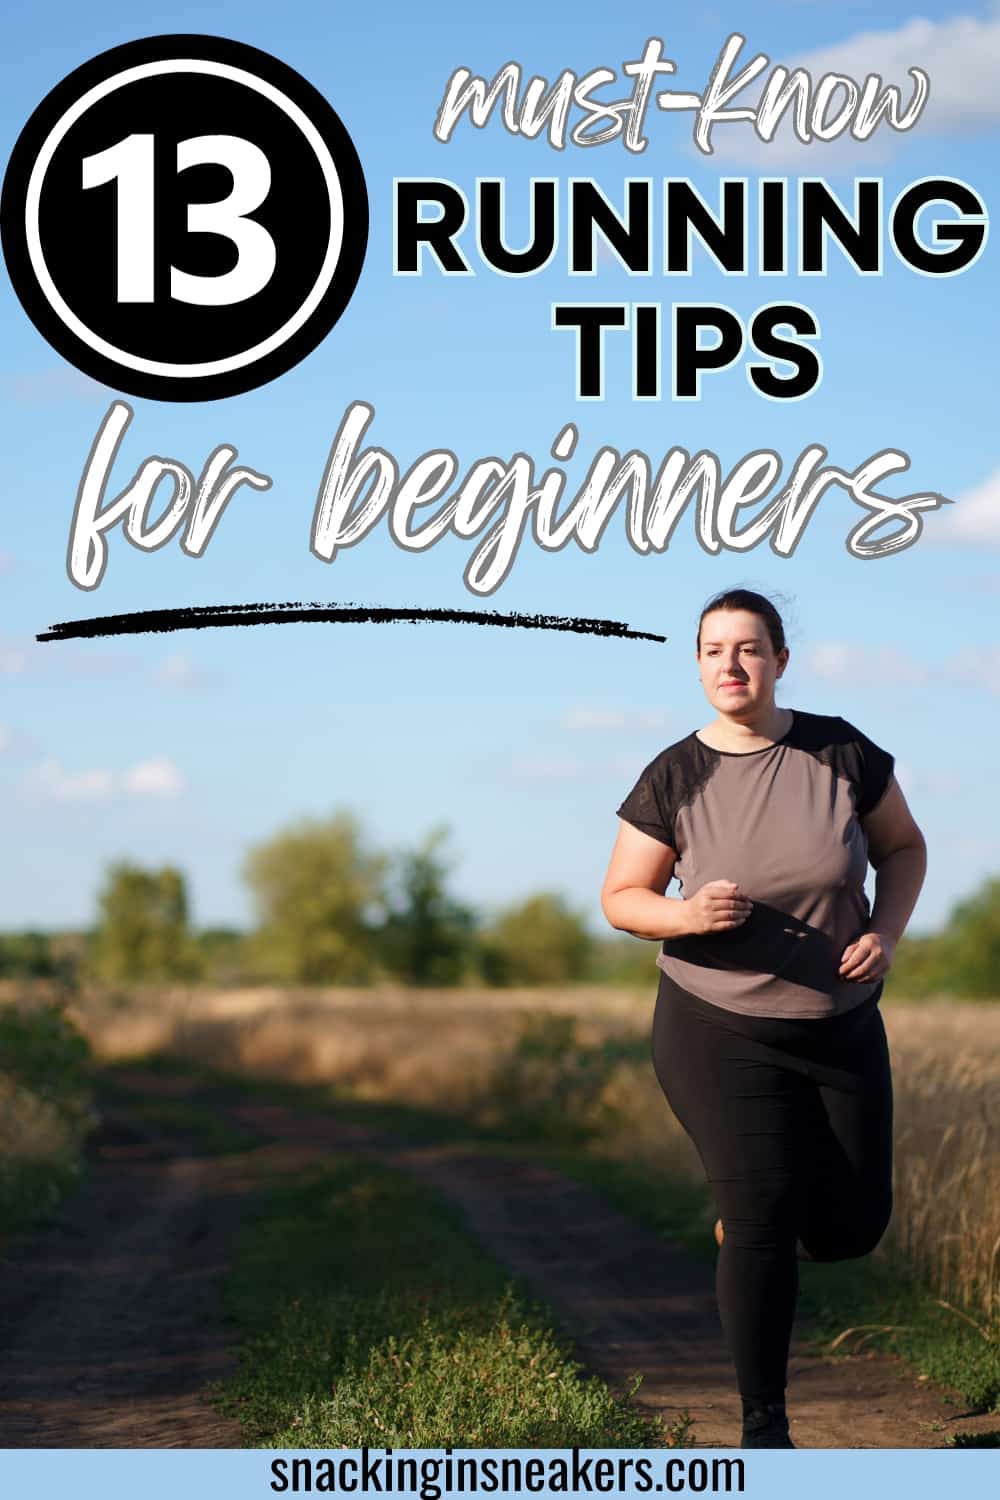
767 1037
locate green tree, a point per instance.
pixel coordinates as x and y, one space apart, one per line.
538 941
26 955
142 929
317 891
918 970
427 935
970 945
224 956
963 959
624 960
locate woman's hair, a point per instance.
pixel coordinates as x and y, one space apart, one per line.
756 604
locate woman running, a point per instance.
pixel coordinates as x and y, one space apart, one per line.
767 1036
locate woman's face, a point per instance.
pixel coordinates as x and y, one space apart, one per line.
737 662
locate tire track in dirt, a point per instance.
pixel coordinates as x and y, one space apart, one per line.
107 1338
111 1324
111 1321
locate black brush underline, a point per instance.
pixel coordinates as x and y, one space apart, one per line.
212 616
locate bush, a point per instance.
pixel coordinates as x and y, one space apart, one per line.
552 1087
45 1110
539 941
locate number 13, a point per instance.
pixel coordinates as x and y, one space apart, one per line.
130 164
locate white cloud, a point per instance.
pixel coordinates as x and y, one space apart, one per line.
978 664
980 849
151 778
56 784
25 654
976 583
179 671
6 740
13 658
58 383
154 778
907 776
861 664
916 780
960 55
974 517
615 720
6 562
29 655
880 666
541 769
84 662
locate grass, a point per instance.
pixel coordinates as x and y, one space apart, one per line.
369 1315
198 1122
45 1111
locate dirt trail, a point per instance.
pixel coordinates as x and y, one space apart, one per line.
111 1327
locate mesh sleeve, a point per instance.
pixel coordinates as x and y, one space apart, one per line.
876 767
647 806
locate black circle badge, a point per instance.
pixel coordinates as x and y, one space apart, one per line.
184 217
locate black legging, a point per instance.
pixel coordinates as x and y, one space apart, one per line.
792 1119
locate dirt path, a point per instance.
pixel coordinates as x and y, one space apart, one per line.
111 1327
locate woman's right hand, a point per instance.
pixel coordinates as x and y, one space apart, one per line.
718 906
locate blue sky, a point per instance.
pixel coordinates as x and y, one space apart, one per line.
191 747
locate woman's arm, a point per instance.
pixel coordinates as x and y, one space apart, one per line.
632 896
633 901
897 850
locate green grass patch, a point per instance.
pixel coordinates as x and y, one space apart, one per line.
45 1111
894 1312
197 1121
370 1316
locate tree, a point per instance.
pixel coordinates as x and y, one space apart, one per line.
142 929
917 969
317 891
539 941
26 955
224 956
427 935
963 959
970 945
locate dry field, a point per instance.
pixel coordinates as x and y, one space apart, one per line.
580 1057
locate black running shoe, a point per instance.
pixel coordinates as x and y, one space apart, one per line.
766 1427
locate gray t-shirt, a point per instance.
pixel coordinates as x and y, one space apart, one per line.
783 822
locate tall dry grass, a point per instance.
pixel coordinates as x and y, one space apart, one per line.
577 1061
946 1061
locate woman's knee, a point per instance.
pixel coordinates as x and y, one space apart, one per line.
850 1239
760 1214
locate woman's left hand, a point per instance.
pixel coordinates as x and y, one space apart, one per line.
868 958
